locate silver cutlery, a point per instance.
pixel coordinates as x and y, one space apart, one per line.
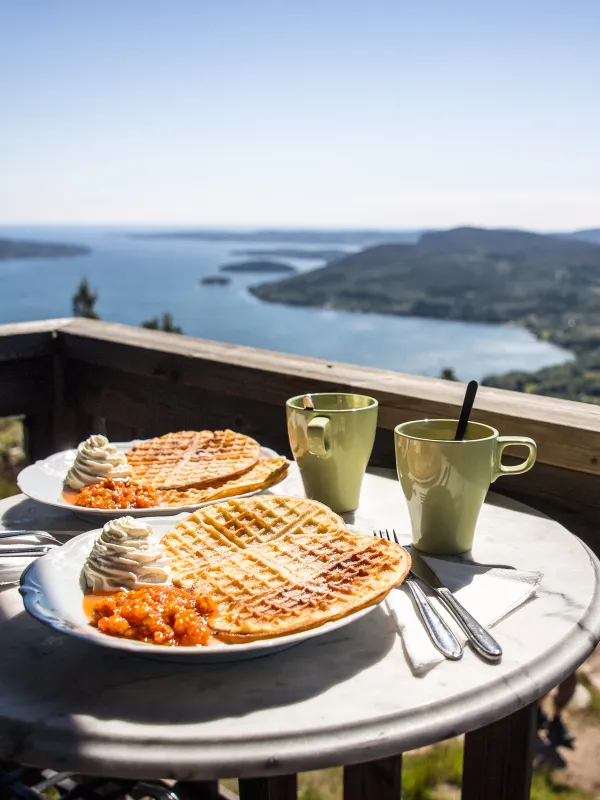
439 632
26 550
19 550
482 641
40 535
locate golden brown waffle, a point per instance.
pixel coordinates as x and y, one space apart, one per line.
266 472
345 585
275 565
239 578
305 555
213 532
192 458
190 550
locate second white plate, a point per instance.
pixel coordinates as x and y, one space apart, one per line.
43 481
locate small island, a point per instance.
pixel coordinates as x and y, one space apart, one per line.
13 249
215 280
258 266
290 252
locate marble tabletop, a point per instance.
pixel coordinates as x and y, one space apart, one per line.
341 698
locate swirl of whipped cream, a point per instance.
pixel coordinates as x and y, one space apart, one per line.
97 459
124 556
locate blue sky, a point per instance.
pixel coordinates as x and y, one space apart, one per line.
325 112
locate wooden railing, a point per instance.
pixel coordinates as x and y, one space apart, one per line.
70 377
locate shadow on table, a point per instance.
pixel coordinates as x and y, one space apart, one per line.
49 674
31 514
495 498
459 578
475 566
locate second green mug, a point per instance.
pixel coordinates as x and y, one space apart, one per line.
445 481
332 445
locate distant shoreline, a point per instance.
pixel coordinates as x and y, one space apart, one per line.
546 285
23 249
319 238
362 309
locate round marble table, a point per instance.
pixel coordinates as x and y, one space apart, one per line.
342 698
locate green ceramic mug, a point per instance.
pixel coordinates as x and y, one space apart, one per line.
445 482
332 445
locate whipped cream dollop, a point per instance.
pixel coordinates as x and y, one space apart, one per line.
97 459
125 556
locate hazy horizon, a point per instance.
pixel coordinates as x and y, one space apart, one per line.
266 226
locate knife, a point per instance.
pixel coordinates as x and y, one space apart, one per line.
442 637
25 550
482 641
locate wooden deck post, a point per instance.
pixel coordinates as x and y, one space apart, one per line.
374 780
498 758
280 787
197 790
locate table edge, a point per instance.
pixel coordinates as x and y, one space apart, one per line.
322 749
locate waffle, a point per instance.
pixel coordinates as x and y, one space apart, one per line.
305 555
192 458
257 520
257 597
214 532
345 585
242 576
275 565
266 472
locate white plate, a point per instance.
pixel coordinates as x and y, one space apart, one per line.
43 481
52 592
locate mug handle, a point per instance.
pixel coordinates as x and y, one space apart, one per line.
517 469
319 437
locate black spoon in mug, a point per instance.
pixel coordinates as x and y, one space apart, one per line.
465 411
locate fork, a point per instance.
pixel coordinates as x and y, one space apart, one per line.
439 632
40 534
20 550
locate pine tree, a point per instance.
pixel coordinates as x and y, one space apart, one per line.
447 374
164 323
84 301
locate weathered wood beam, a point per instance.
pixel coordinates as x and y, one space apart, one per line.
27 386
567 433
21 340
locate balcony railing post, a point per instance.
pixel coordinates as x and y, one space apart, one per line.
197 790
380 779
498 759
280 787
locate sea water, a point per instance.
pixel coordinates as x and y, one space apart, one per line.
140 278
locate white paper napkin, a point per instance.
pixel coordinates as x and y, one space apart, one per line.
489 594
